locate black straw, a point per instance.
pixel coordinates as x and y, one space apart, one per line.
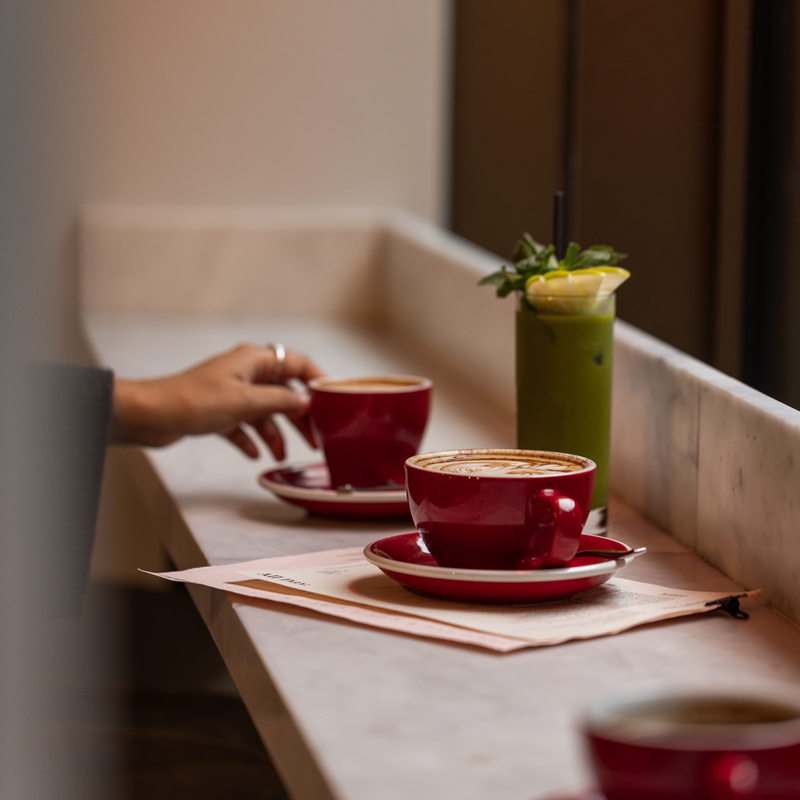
559 225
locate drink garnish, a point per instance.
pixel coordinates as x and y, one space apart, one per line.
536 272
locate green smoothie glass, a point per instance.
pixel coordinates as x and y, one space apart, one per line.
564 355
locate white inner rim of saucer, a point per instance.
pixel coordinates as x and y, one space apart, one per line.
500 575
329 495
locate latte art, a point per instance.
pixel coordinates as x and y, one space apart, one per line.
503 467
500 462
389 384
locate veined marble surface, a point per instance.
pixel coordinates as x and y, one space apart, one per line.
712 461
355 713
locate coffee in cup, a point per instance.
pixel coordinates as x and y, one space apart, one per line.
500 509
695 747
497 463
369 425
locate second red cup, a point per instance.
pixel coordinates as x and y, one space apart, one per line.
368 426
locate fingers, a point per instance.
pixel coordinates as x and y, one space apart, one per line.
268 400
299 366
242 441
265 400
302 424
275 399
234 388
256 364
269 432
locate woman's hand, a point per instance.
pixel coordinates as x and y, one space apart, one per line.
216 396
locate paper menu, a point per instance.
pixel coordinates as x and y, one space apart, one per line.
610 608
334 571
229 580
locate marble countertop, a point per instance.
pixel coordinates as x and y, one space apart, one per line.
357 713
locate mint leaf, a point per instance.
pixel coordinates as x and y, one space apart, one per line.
572 250
532 262
526 248
495 279
600 255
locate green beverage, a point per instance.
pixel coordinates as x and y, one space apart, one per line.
565 347
564 360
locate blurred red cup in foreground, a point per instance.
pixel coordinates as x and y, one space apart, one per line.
695 747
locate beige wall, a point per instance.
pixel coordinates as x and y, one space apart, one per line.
294 102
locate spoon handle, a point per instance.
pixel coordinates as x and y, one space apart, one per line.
612 553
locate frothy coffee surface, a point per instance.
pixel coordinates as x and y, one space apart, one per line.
701 720
705 712
500 462
368 384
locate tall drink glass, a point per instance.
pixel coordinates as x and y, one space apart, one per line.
565 348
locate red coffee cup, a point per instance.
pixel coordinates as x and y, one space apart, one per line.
500 509
368 426
696 747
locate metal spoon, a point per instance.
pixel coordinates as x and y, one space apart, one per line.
613 554
349 488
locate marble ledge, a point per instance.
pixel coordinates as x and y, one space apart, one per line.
714 462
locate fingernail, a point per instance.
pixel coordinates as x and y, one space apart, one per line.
304 401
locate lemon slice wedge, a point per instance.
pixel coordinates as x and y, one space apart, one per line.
580 283
577 292
613 277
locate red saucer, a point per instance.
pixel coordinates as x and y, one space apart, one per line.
405 559
309 486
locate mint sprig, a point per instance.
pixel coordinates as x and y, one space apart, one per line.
532 258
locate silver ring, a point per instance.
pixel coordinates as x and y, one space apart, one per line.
280 359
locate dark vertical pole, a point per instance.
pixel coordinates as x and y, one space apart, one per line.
770 117
559 231
572 119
